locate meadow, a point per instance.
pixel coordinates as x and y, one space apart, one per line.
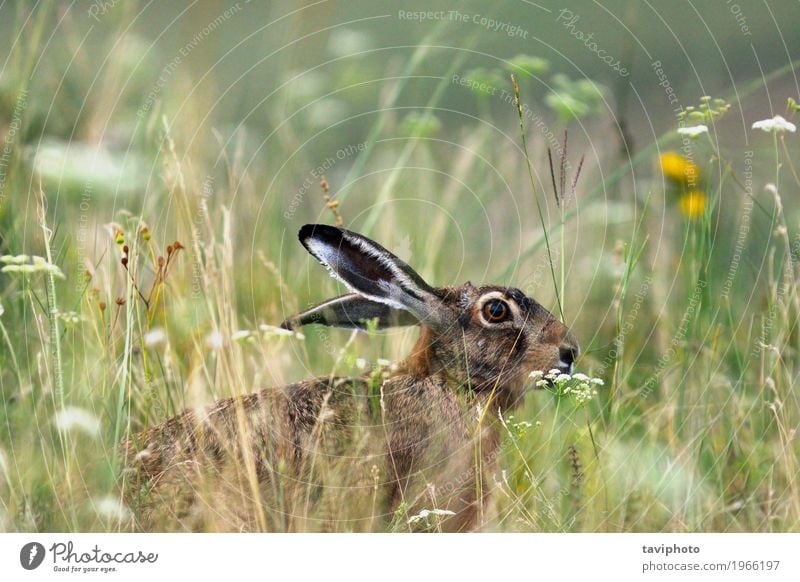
151 190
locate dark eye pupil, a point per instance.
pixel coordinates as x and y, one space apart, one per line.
495 310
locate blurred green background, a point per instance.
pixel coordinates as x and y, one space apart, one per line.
212 123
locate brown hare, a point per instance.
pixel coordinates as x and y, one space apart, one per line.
425 435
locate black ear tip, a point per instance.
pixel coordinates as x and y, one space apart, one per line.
306 233
287 324
317 230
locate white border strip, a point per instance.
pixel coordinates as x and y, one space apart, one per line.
352 557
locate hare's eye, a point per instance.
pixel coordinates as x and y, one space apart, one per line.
496 311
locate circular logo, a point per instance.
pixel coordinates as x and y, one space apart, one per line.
31 555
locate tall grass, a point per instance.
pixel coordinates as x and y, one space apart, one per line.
694 431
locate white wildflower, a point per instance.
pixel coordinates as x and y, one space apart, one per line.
521 427
583 393
777 124
14 259
536 375
361 363
241 335
693 131
271 331
426 513
69 317
19 264
580 388
274 330
383 363
112 508
155 337
2 309
215 340
72 417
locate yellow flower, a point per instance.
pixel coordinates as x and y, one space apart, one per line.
677 168
693 204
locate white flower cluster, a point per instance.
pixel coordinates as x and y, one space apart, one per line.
69 317
580 387
521 427
112 508
426 513
155 337
777 124
694 131
29 265
268 332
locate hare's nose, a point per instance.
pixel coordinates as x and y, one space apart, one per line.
566 358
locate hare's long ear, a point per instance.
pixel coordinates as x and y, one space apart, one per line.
351 311
368 269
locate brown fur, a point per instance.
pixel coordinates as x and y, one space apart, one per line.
432 430
427 427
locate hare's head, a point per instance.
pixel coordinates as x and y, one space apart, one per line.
489 335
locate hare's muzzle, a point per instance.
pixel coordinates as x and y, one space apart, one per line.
567 353
557 348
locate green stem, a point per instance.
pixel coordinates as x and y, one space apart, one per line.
555 421
535 197
52 315
13 354
777 161
563 260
